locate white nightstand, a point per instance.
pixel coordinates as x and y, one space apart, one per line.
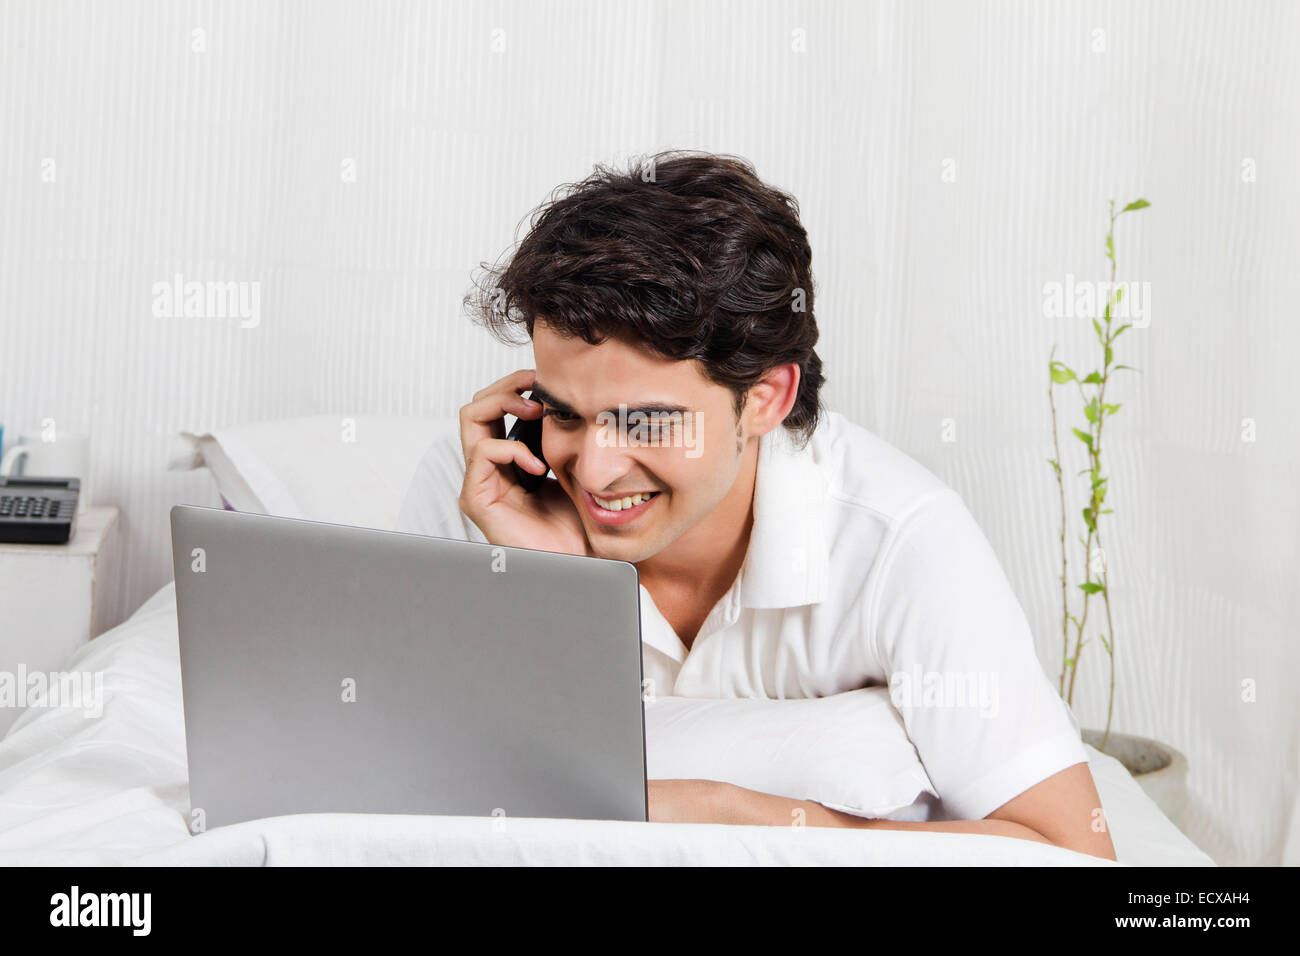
52 598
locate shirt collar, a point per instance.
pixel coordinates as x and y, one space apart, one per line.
788 559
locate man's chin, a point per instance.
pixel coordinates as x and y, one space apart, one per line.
616 549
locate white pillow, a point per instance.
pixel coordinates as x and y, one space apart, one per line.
347 470
849 752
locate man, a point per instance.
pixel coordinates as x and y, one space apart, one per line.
782 551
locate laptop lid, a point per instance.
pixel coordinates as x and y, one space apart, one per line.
330 668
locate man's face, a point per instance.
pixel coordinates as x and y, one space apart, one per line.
591 461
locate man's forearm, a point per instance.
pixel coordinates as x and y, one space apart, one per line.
749 807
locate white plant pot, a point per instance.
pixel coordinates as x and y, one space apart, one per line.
1160 770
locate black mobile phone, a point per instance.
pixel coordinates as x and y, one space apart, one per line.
530 433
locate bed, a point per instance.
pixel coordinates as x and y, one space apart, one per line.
82 788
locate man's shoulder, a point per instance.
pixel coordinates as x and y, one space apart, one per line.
867 475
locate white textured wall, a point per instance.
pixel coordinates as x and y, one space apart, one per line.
225 165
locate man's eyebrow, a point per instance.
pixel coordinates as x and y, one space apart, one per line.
540 394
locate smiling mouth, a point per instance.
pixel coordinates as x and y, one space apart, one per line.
615 512
626 502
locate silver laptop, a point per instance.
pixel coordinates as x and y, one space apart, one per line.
329 668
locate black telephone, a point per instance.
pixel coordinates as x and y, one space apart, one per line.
530 433
38 510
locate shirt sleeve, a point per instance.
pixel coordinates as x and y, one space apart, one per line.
959 658
432 502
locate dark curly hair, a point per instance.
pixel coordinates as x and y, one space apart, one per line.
687 253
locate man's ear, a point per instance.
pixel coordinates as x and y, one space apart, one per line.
768 402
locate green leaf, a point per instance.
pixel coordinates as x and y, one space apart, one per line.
1130 367
1061 373
1111 409
1090 410
1094 378
1090 588
1120 330
1101 336
1119 294
1109 355
1104 643
1110 248
1135 205
1087 517
1107 511
1055 464
1069 662
1084 437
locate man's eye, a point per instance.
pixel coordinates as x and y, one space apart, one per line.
560 418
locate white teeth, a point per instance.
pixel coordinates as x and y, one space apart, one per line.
618 504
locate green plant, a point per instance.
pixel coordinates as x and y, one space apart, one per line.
1092 393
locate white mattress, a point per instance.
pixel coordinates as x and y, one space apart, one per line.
76 789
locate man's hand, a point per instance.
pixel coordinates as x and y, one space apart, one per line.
545 520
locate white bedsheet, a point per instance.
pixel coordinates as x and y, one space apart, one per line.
76 789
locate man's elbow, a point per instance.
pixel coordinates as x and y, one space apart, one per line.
1094 845
1066 810
1098 845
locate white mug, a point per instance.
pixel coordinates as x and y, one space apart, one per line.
67 456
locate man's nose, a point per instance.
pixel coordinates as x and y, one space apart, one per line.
601 462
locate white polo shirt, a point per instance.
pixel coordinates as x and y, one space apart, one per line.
863 568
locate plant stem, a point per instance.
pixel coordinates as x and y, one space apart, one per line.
1094 463
1065 592
1095 410
1096 507
1083 618
1110 646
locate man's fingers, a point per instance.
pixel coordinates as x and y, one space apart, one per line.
484 418
489 453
